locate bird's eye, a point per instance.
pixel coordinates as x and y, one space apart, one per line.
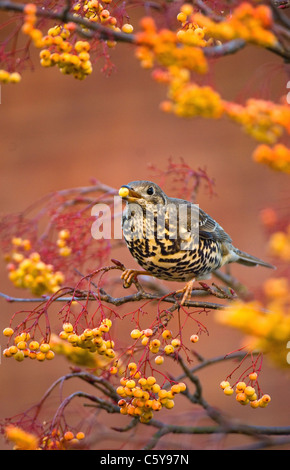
150 191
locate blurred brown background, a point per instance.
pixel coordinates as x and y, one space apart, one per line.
58 133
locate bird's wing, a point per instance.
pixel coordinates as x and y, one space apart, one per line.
209 228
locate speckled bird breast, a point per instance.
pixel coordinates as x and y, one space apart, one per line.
157 246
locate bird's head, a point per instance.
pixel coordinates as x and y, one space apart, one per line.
142 193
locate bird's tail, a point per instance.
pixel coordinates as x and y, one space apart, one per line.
249 260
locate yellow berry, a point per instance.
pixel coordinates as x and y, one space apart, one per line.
127 28
145 341
240 387
151 380
175 389
49 355
121 391
249 391
228 390
181 17
130 384
155 388
162 394
182 386
175 343
44 347
169 349
73 338
135 334
15 77
8 331
224 384
67 327
21 345
159 360
169 404
34 345
254 404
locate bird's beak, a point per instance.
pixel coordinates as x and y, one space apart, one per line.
129 194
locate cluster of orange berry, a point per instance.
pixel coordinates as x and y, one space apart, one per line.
90 339
155 344
279 244
59 441
63 237
191 33
187 99
70 59
29 271
141 396
248 22
6 77
245 393
24 440
263 120
22 349
95 11
277 157
164 49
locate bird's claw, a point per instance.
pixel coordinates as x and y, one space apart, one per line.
186 291
128 276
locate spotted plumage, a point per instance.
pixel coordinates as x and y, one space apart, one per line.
173 239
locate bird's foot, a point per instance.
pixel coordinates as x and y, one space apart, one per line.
130 275
186 291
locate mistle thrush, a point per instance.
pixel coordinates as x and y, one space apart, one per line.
173 239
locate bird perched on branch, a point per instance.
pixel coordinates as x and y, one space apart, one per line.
173 239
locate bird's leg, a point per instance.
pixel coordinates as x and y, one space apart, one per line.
130 274
186 291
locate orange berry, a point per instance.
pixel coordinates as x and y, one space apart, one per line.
30 9
266 398
240 387
169 349
182 386
194 338
40 356
80 435
175 389
49 355
8 332
253 376
68 436
224 384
